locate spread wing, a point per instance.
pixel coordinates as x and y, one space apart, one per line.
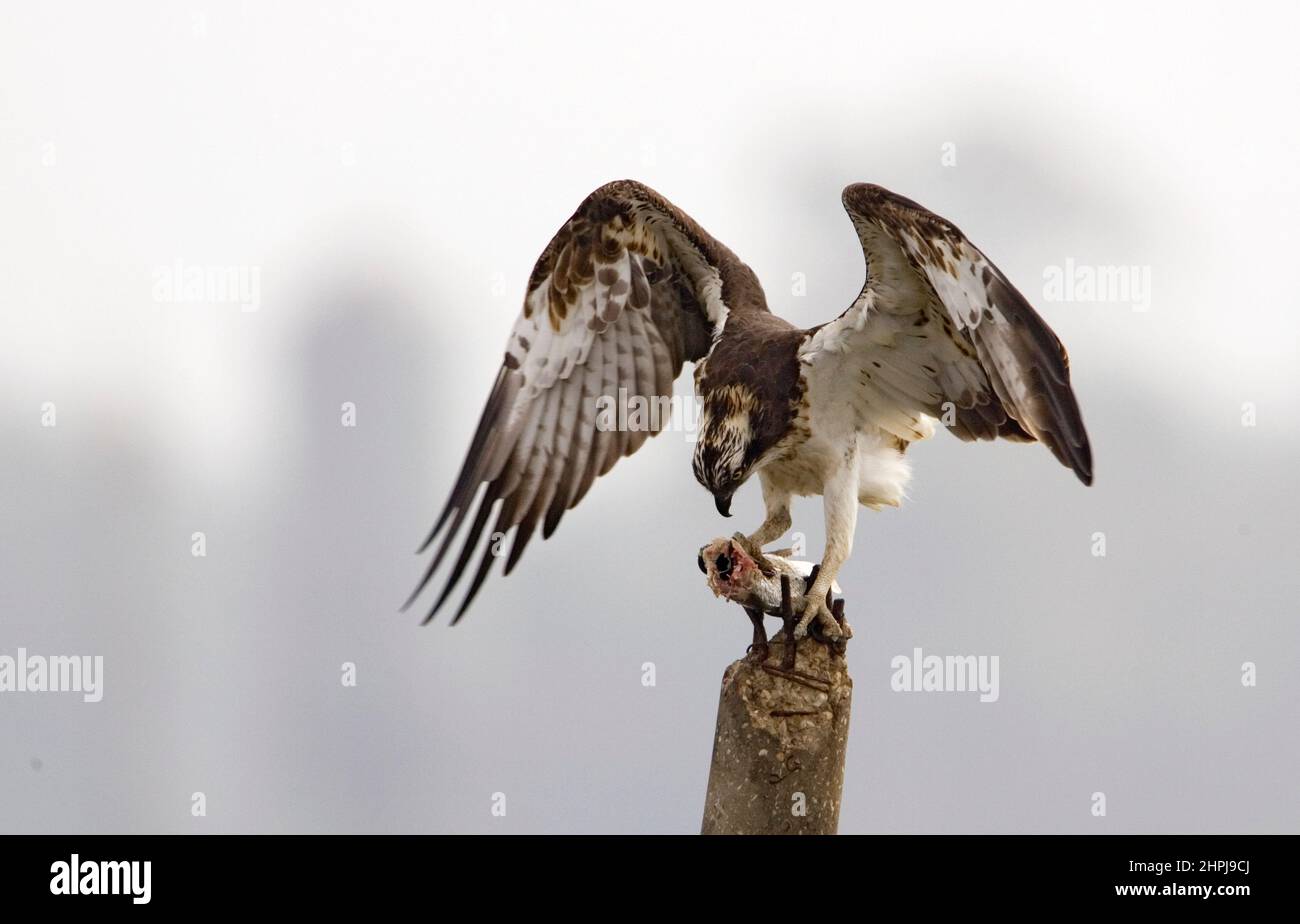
624 293
939 331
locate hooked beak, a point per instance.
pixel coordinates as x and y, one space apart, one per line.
723 503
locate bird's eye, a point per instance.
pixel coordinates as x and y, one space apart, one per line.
699 559
724 565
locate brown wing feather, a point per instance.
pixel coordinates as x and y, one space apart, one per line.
627 291
934 304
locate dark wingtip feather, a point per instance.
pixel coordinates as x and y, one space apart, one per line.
1073 455
442 598
434 563
484 565
467 550
467 480
522 534
442 517
411 599
433 533
551 522
1083 463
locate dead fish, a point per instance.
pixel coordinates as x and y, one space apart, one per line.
738 572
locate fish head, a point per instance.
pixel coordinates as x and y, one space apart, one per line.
730 570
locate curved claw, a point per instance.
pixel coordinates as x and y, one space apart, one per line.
754 551
837 610
815 608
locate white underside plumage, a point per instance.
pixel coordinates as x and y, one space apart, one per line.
840 452
844 442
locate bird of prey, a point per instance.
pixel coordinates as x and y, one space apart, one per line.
631 287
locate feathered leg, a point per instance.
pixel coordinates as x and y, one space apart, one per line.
776 503
840 501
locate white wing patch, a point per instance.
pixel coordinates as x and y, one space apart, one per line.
939 330
617 302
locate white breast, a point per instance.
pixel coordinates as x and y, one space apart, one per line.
837 433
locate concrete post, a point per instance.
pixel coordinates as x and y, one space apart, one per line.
778 751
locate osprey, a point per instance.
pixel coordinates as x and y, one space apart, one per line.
631 288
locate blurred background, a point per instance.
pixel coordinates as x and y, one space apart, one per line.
384 177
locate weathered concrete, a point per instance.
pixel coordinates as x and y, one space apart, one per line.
778 752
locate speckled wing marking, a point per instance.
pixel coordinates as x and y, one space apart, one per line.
937 322
623 294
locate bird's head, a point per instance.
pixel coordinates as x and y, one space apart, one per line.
724 451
